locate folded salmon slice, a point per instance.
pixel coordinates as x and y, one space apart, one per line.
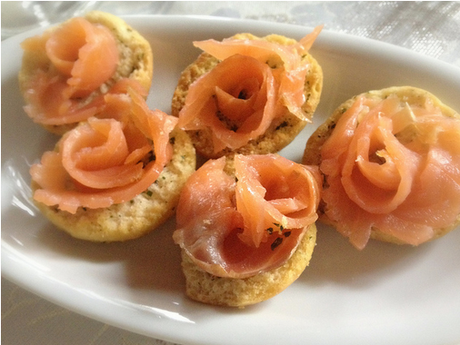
392 166
248 106
255 82
240 226
260 49
82 57
107 160
86 53
48 105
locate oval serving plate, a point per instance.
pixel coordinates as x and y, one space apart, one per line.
385 294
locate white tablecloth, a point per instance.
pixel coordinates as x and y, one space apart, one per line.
430 28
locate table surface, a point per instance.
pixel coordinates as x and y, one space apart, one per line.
429 28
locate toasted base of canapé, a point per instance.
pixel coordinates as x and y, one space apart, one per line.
135 52
232 292
312 152
282 130
136 217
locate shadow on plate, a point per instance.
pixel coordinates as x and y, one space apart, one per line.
335 260
150 262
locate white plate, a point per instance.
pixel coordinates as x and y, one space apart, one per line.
383 295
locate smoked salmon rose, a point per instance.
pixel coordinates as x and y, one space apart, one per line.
67 70
391 161
106 161
117 176
247 227
248 94
236 105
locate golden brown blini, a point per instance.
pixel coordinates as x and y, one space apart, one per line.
279 132
73 51
247 229
133 218
391 163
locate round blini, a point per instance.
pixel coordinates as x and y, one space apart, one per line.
411 95
281 131
136 217
135 54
